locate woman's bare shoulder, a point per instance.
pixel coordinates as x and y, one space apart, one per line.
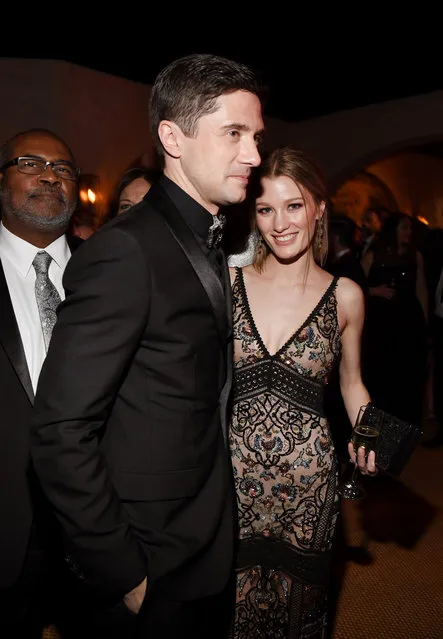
349 292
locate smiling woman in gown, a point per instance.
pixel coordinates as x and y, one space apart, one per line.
293 322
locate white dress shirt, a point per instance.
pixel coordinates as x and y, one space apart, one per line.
366 244
17 256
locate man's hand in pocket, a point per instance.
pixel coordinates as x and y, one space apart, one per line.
133 600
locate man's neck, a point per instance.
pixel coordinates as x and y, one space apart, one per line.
37 238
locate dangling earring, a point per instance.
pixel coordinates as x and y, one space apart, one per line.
318 239
260 247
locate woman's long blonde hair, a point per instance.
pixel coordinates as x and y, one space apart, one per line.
294 164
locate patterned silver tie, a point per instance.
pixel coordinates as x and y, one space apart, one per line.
215 232
46 295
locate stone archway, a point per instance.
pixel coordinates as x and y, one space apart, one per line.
406 176
365 190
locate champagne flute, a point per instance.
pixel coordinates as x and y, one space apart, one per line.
364 434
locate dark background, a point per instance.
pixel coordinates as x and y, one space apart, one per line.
305 79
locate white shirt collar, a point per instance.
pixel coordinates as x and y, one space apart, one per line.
342 252
22 253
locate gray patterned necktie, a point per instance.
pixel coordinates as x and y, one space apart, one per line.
46 295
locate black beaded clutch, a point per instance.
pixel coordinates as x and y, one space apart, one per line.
396 441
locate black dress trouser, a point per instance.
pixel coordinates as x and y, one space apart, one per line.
34 601
159 618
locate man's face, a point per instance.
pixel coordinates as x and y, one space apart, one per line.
216 164
371 221
43 202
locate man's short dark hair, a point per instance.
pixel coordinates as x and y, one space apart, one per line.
188 88
344 228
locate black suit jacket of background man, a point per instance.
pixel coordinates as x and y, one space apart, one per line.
19 488
348 265
146 374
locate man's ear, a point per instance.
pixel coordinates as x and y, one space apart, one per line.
169 134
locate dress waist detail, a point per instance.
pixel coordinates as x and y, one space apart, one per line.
304 566
281 380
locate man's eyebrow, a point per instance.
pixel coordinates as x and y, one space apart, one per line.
235 125
241 127
33 156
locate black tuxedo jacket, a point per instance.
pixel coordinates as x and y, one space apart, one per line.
129 437
17 481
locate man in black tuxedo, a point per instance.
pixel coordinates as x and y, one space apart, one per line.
38 195
343 258
371 224
129 437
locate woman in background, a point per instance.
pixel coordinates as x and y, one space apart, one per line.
292 323
395 343
132 188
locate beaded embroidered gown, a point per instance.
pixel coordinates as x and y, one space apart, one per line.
285 472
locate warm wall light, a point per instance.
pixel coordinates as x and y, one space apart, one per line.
83 195
91 196
87 196
90 200
423 220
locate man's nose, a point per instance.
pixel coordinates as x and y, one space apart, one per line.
251 155
48 175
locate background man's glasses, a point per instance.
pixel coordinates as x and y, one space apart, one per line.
37 166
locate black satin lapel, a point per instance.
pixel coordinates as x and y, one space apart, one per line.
228 294
10 338
73 242
210 282
226 391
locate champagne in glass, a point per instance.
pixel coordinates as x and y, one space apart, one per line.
364 434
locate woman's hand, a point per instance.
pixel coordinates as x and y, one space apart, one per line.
366 466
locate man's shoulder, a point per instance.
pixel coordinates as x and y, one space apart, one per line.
74 241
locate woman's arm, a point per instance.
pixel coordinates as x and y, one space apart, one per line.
351 315
351 307
421 288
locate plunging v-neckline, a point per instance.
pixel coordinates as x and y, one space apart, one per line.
296 333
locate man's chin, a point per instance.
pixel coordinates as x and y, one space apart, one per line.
47 222
236 198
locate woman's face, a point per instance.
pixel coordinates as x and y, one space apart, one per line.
404 232
285 217
132 194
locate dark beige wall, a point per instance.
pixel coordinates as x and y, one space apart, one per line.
416 182
346 142
105 119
